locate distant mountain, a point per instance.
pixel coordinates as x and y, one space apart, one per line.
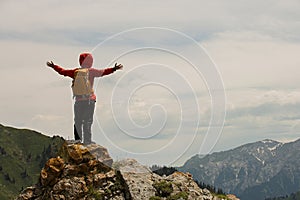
253 171
23 153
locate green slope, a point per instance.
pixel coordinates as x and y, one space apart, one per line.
22 155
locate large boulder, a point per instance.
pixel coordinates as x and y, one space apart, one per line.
144 184
52 171
79 172
79 153
139 178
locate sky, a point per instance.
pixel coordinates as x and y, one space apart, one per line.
199 76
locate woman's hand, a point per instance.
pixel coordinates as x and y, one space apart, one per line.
50 64
117 67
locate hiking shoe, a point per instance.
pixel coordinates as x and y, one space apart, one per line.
88 142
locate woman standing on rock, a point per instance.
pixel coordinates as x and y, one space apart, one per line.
85 98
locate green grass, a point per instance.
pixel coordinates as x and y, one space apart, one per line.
23 154
155 198
163 188
221 196
94 193
5 193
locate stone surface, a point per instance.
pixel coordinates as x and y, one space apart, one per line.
78 153
85 172
79 172
184 182
100 154
232 197
138 178
52 170
140 182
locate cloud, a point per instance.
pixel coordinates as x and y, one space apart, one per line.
58 123
255 45
95 20
264 114
247 59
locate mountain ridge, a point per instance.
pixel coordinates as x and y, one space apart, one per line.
256 169
23 152
49 168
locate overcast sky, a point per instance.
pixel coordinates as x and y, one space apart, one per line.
199 76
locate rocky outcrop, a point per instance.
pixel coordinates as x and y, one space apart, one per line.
143 184
79 172
85 172
138 178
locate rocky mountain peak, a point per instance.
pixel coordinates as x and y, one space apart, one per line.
269 141
261 169
74 174
88 172
271 144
